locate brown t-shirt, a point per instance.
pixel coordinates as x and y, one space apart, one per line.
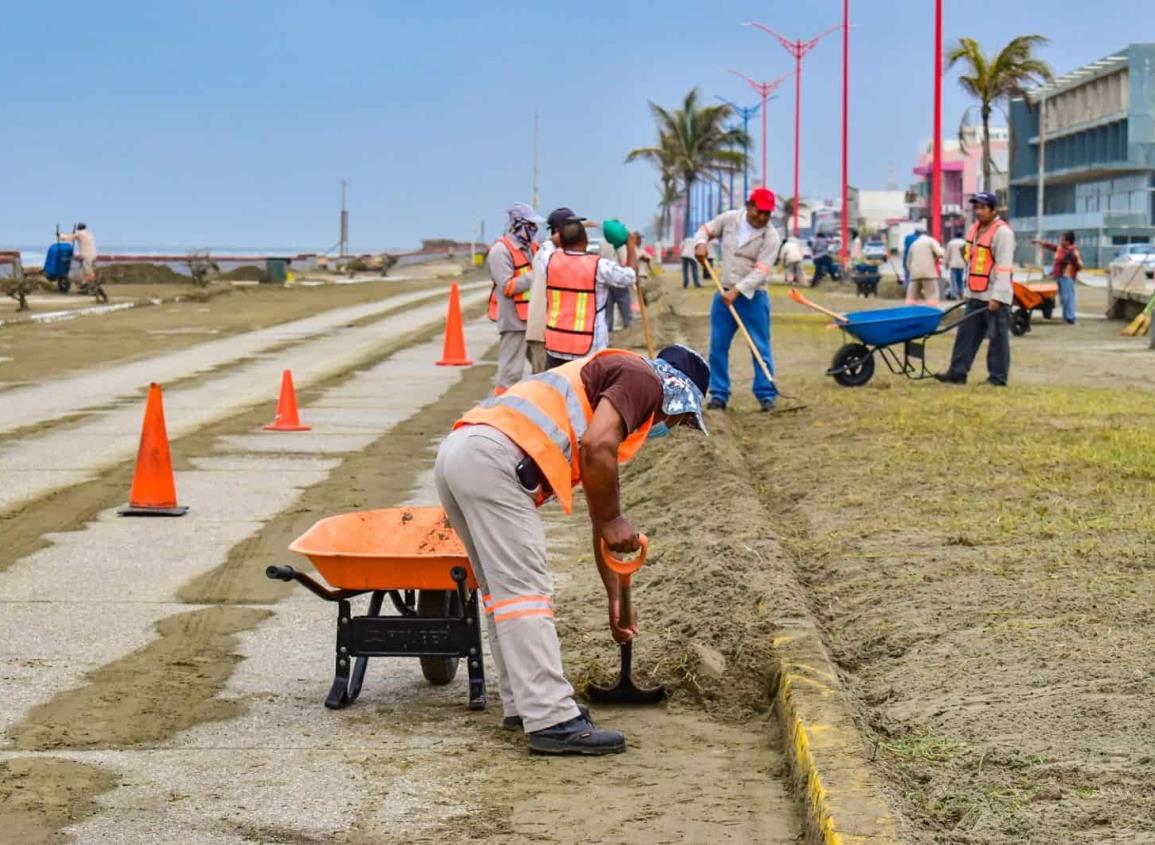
627 383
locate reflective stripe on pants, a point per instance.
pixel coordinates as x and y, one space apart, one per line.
503 534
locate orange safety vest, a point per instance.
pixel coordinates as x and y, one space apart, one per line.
571 296
521 266
547 415
981 265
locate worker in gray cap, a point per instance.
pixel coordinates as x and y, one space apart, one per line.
510 263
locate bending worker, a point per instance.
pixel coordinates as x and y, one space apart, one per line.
509 262
576 293
749 249
990 264
542 438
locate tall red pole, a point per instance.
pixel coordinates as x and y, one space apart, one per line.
797 129
936 157
845 133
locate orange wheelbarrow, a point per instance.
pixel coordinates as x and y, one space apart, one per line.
1030 296
414 557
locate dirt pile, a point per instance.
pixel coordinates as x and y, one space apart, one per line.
139 274
710 591
246 273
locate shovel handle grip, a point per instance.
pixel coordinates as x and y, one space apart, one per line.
626 567
625 603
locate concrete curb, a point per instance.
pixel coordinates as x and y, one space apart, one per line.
843 803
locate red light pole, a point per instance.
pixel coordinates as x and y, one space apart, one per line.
936 155
764 89
844 258
797 49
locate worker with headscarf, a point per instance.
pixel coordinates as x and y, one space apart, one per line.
510 262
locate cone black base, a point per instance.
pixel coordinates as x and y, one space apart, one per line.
133 510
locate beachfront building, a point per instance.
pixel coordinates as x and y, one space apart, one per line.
962 173
1098 163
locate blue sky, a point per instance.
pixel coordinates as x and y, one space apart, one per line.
215 123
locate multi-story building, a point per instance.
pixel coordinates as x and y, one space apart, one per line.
1098 162
962 168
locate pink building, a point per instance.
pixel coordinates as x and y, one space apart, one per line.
961 175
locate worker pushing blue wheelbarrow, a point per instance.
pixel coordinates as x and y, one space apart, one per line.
877 332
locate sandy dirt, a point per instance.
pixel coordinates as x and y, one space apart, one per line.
979 560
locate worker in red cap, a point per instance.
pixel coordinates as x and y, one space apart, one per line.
749 249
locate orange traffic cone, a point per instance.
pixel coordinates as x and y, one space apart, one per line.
153 489
287 418
453 354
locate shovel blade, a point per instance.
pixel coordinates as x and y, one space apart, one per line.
624 690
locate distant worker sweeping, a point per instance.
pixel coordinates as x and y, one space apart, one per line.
542 438
510 261
749 249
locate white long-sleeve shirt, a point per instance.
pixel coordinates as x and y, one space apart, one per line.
84 242
535 320
747 253
609 275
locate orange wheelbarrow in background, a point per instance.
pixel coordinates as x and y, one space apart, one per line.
1028 297
414 557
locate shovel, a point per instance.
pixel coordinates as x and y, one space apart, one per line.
624 690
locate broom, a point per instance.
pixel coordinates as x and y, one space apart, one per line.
1139 326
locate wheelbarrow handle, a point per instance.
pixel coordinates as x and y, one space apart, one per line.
797 296
626 567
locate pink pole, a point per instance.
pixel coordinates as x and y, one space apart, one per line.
797 126
936 163
845 132
765 99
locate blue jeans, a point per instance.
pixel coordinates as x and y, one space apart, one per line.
755 314
823 266
1067 297
957 278
688 265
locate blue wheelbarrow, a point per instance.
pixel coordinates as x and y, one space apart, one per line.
878 332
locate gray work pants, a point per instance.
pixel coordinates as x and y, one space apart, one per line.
619 298
498 523
511 357
996 327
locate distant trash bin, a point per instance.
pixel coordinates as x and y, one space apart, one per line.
278 270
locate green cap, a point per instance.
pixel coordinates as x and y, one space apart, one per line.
615 232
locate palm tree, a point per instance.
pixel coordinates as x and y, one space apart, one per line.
693 144
992 81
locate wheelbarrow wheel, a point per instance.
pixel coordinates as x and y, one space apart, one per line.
1020 322
64 285
438 670
853 365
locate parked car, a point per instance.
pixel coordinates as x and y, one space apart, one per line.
1135 254
874 251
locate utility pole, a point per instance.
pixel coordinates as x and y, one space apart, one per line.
764 89
344 243
536 197
798 49
1042 176
936 155
744 112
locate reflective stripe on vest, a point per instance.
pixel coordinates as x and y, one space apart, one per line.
571 285
546 416
521 267
981 266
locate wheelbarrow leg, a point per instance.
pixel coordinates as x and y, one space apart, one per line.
339 692
476 662
362 663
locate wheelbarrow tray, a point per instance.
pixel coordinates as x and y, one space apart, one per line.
390 549
1033 294
884 326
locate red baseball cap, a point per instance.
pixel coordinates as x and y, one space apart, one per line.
763 199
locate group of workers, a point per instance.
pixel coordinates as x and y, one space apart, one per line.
587 408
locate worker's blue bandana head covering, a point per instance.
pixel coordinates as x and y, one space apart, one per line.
684 376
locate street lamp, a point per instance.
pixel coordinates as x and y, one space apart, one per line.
764 89
744 112
797 49
936 154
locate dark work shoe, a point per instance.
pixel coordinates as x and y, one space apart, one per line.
514 723
767 405
576 736
716 404
950 378
994 383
